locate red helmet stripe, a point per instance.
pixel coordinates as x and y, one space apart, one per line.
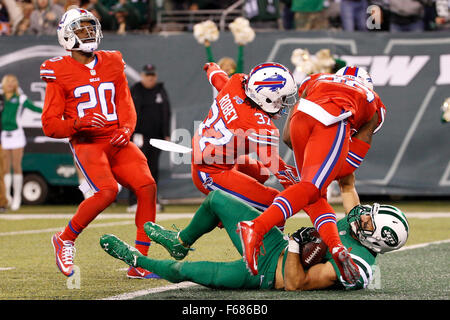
351 71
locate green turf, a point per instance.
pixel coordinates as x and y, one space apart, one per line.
413 274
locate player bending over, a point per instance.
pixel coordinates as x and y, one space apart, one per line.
331 108
364 230
87 100
240 122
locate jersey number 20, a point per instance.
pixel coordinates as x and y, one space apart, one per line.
101 93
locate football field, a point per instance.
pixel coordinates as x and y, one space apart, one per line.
28 272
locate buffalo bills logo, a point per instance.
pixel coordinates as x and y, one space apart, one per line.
274 83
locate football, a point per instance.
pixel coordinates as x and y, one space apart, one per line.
313 252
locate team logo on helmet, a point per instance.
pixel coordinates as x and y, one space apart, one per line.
274 83
389 236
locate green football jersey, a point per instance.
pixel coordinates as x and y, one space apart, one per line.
363 257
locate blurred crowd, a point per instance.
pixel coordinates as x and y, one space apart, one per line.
40 17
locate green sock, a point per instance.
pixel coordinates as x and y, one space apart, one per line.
231 275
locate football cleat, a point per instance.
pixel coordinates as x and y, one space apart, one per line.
64 252
167 238
120 250
251 244
348 269
139 273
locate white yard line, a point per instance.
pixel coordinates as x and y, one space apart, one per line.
131 295
140 293
93 225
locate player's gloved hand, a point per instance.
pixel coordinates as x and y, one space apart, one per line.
288 176
121 137
93 119
303 235
210 64
347 267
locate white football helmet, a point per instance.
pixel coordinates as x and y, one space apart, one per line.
357 73
272 87
390 230
71 22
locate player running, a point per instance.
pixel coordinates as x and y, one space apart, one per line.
87 100
280 267
331 108
240 122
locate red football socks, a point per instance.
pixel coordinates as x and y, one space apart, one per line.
87 211
146 211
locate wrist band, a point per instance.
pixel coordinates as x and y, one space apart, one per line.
294 247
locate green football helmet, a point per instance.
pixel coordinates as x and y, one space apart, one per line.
390 230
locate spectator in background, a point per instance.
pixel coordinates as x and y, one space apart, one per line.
287 15
406 15
309 15
127 17
443 14
354 15
45 17
263 14
5 27
13 139
27 8
153 119
98 9
379 15
10 16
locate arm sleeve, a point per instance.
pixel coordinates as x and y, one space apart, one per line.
53 123
217 77
356 154
125 105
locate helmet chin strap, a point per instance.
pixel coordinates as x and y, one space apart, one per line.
88 47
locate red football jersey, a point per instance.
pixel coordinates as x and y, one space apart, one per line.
336 93
233 128
73 90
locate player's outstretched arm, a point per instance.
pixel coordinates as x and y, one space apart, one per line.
350 197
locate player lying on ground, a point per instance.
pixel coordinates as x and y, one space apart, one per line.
368 230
